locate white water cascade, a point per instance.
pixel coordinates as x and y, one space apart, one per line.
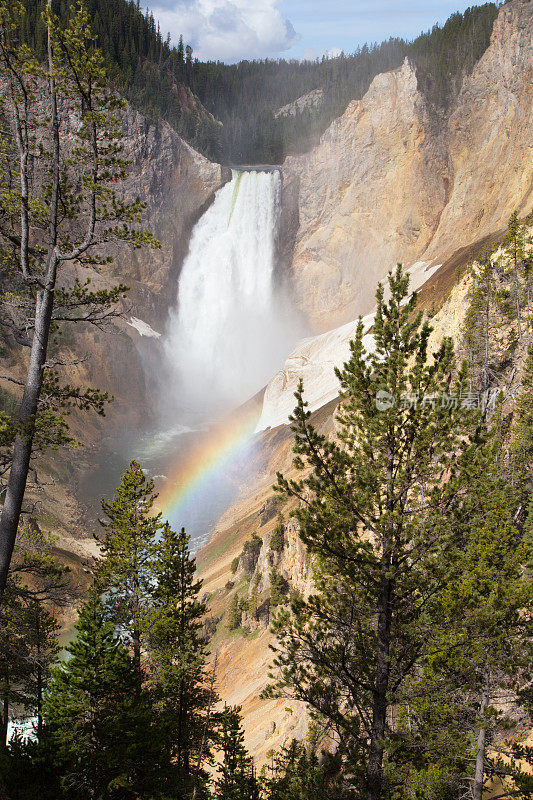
230 329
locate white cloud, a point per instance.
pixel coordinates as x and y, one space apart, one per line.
333 52
309 54
228 30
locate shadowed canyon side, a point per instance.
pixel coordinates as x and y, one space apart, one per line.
176 184
395 180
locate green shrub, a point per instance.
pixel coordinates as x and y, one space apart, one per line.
279 588
277 541
250 553
234 614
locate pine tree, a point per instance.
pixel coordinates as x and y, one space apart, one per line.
236 778
234 614
515 248
521 454
480 327
298 772
177 653
97 726
14 670
47 180
41 632
377 511
480 651
124 572
29 630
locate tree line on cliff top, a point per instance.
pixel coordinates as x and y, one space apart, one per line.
412 653
153 74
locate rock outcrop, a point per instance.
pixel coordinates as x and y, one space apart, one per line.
393 180
307 102
177 184
489 137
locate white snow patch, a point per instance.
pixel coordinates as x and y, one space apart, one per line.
143 328
314 359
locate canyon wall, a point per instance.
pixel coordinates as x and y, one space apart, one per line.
177 184
396 180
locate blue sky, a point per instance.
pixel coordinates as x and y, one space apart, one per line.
234 29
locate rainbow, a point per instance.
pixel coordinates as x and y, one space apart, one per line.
190 481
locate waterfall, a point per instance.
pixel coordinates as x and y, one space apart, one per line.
230 328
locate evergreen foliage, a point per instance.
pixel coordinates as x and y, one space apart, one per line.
234 613
277 540
413 651
297 772
279 588
97 722
378 510
236 778
245 96
481 328
522 439
519 267
250 553
124 572
177 654
58 205
29 629
477 661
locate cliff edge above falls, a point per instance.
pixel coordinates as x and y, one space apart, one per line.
395 180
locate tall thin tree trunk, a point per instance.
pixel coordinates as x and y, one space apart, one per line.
18 476
374 772
5 711
477 792
39 703
517 293
528 300
39 680
206 725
